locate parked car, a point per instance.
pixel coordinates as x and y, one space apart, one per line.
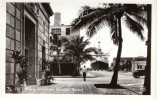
139 72
109 70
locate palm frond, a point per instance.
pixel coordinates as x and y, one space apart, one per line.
91 49
134 26
83 44
80 39
133 9
69 47
87 19
85 10
57 41
76 48
114 38
137 12
88 57
100 22
64 39
69 54
140 19
95 26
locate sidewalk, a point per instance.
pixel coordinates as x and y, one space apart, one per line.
125 73
76 86
69 76
63 88
122 90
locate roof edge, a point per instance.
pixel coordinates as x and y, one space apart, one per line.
48 8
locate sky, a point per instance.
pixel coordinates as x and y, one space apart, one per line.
132 45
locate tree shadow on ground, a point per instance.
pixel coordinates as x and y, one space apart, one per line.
108 86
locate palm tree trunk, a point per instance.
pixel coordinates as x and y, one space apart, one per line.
75 70
115 74
147 80
78 67
59 67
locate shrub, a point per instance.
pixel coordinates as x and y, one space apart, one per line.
22 73
66 68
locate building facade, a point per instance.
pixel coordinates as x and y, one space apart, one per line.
138 63
27 31
62 30
130 63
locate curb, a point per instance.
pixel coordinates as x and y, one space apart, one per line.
73 77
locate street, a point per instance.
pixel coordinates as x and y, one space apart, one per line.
124 79
76 85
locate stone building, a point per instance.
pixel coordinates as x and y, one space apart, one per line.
27 31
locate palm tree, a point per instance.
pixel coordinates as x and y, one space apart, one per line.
56 43
76 49
112 16
147 80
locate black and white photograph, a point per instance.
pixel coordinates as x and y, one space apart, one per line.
79 47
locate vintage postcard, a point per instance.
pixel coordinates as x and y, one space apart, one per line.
79 48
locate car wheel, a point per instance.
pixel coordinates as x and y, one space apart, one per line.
136 76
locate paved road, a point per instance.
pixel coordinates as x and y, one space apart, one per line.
123 77
78 86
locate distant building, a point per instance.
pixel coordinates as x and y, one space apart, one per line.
62 30
138 63
130 63
27 30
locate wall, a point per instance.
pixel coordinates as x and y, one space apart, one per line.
16 30
43 39
13 36
63 32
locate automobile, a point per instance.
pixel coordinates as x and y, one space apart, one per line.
109 70
138 72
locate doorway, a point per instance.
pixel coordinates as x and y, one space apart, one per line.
30 50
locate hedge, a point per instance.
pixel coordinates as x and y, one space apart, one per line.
66 68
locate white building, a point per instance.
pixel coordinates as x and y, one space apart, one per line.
138 63
62 30
131 63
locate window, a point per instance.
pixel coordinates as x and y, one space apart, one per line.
67 31
56 31
139 66
43 58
